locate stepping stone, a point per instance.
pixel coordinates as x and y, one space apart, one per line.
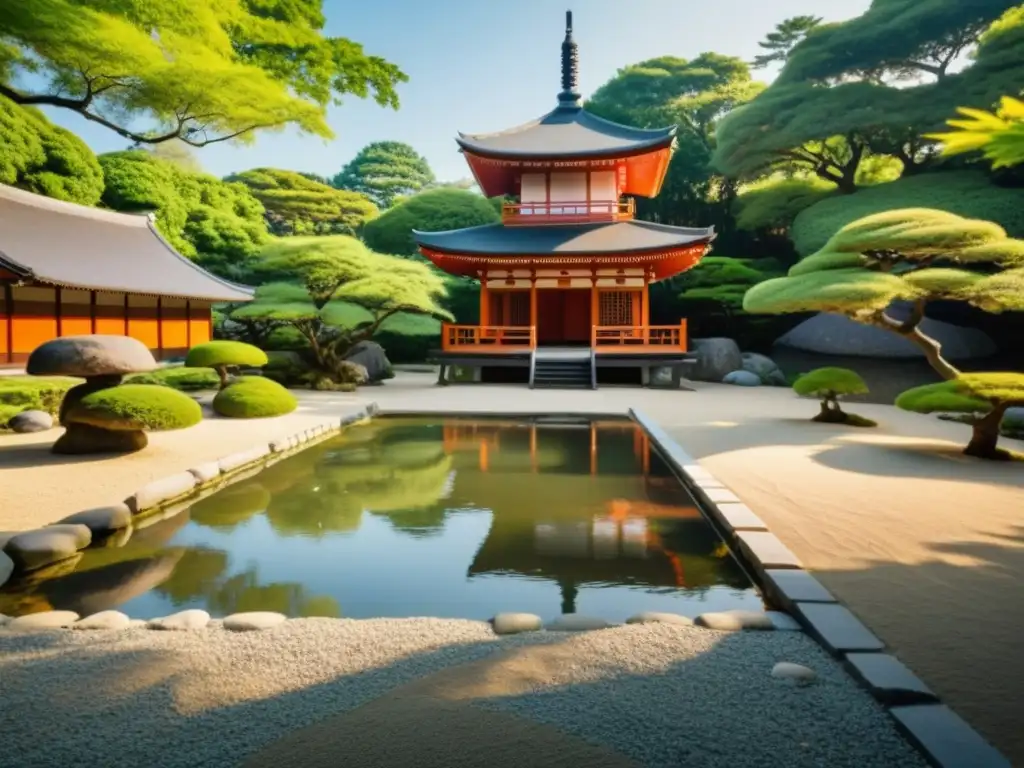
182 621
102 521
766 551
793 585
838 629
739 517
39 621
654 617
798 673
888 679
784 622
574 622
945 738
253 621
514 623
103 620
35 549
734 621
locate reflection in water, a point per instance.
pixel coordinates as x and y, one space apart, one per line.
418 516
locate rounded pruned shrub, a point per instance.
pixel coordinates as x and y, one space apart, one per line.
254 397
182 379
136 407
828 385
221 355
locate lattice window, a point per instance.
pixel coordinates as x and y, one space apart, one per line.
615 308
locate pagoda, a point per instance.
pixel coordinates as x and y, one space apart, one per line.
564 278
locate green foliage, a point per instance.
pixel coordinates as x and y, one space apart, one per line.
213 354
297 205
219 224
136 406
780 42
384 171
199 72
32 393
774 202
254 397
435 210
180 378
845 291
999 136
965 193
830 382
942 397
725 279
40 157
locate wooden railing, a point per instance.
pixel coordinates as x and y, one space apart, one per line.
571 212
624 338
486 338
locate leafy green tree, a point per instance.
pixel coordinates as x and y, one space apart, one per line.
385 171
319 281
198 72
774 202
828 385
915 255
780 42
983 397
37 156
174 151
999 136
298 205
726 280
218 224
435 210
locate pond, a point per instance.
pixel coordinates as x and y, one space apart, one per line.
446 517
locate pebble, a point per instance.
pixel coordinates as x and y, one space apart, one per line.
101 520
31 421
103 620
514 623
574 622
43 620
733 621
654 617
183 620
786 670
253 621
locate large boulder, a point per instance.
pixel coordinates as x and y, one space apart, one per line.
764 368
31 421
85 356
371 356
716 357
831 334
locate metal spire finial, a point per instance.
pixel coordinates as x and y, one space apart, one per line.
570 95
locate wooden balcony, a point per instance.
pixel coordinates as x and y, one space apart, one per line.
568 212
487 338
638 339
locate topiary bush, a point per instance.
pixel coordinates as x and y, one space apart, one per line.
254 397
829 384
179 378
136 407
221 355
32 393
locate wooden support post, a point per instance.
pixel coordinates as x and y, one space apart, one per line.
484 463
533 300
485 302
595 308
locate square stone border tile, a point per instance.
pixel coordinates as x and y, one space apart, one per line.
789 586
764 550
836 628
945 738
888 679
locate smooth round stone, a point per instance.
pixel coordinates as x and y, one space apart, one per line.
101 520
27 422
34 549
43 620
514 623
734 621
6 568
182 621
784 622
253 621
786 670
93 355
654 617
103 620
574 622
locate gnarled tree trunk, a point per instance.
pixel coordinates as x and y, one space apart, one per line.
985 437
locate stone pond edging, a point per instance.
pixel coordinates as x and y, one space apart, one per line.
941 735
157 500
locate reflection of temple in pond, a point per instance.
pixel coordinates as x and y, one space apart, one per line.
586 504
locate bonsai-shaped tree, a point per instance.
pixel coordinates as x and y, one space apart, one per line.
829 384
917 255
336 293
221 355
999 136
100 416
983 397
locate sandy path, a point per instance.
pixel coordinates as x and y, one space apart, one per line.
38 487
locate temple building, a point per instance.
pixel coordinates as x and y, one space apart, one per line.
69 270
564 278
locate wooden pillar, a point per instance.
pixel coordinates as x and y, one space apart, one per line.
9 311
647 455
188 324
595 309
484 459
92 311
485 302
160 329
57 312
126 314
533 299
645 301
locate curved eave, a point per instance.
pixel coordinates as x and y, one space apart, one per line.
621 152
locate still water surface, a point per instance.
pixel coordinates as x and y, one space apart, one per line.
424 517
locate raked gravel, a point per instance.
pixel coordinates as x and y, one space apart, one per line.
665 695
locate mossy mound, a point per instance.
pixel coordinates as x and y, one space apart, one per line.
842 417
182 379
32 393
254 397
135 407
217 353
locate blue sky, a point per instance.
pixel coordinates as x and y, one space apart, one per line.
482 65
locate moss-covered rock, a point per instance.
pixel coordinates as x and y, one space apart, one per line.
134 407
254 397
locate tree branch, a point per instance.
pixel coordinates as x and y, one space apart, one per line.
910 330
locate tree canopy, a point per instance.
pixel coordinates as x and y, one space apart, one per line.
774 202
216 223
436 210
298 205
779 43
385 171
39 157
199 72
999 136
916 255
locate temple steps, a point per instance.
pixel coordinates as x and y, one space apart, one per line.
553 373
